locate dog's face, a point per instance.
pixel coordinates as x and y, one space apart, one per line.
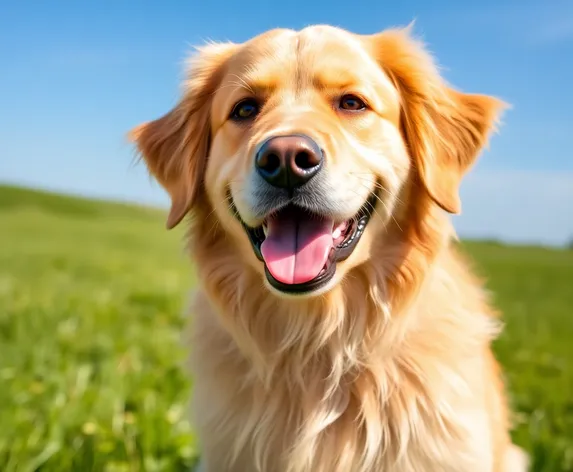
307 144
306 147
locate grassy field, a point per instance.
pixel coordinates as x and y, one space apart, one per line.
91 299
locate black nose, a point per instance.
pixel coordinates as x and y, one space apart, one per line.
289 161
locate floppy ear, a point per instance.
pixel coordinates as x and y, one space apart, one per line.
175 146
444 129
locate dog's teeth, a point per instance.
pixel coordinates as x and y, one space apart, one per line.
265 230
336 234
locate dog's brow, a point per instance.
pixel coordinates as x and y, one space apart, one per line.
262 88
334 80
252 85
259 80
254 90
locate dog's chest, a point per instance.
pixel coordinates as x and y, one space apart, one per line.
420 410
242 427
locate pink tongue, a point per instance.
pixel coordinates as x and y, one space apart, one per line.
296 247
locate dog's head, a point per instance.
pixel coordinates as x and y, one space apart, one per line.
308 147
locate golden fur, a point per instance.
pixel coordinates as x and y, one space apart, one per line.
390 367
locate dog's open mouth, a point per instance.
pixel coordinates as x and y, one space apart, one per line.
300 249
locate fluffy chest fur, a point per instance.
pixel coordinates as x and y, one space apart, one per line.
345 385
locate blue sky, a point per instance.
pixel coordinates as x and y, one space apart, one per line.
75 76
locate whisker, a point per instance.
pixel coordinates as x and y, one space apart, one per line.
244 84
240 82
387 209
378 185
372 207
215 225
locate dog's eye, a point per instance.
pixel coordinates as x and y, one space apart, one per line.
245 110
351 103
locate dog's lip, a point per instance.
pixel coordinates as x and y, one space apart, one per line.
355 227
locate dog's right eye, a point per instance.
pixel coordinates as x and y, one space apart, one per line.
351 102
246 109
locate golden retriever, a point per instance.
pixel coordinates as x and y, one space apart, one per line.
337 327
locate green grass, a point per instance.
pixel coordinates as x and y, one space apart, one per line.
91 302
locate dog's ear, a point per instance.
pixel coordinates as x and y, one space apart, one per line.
444 129
175 146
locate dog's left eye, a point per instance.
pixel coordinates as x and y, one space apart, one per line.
245 110
351 103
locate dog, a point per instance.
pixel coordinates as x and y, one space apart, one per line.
337 326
